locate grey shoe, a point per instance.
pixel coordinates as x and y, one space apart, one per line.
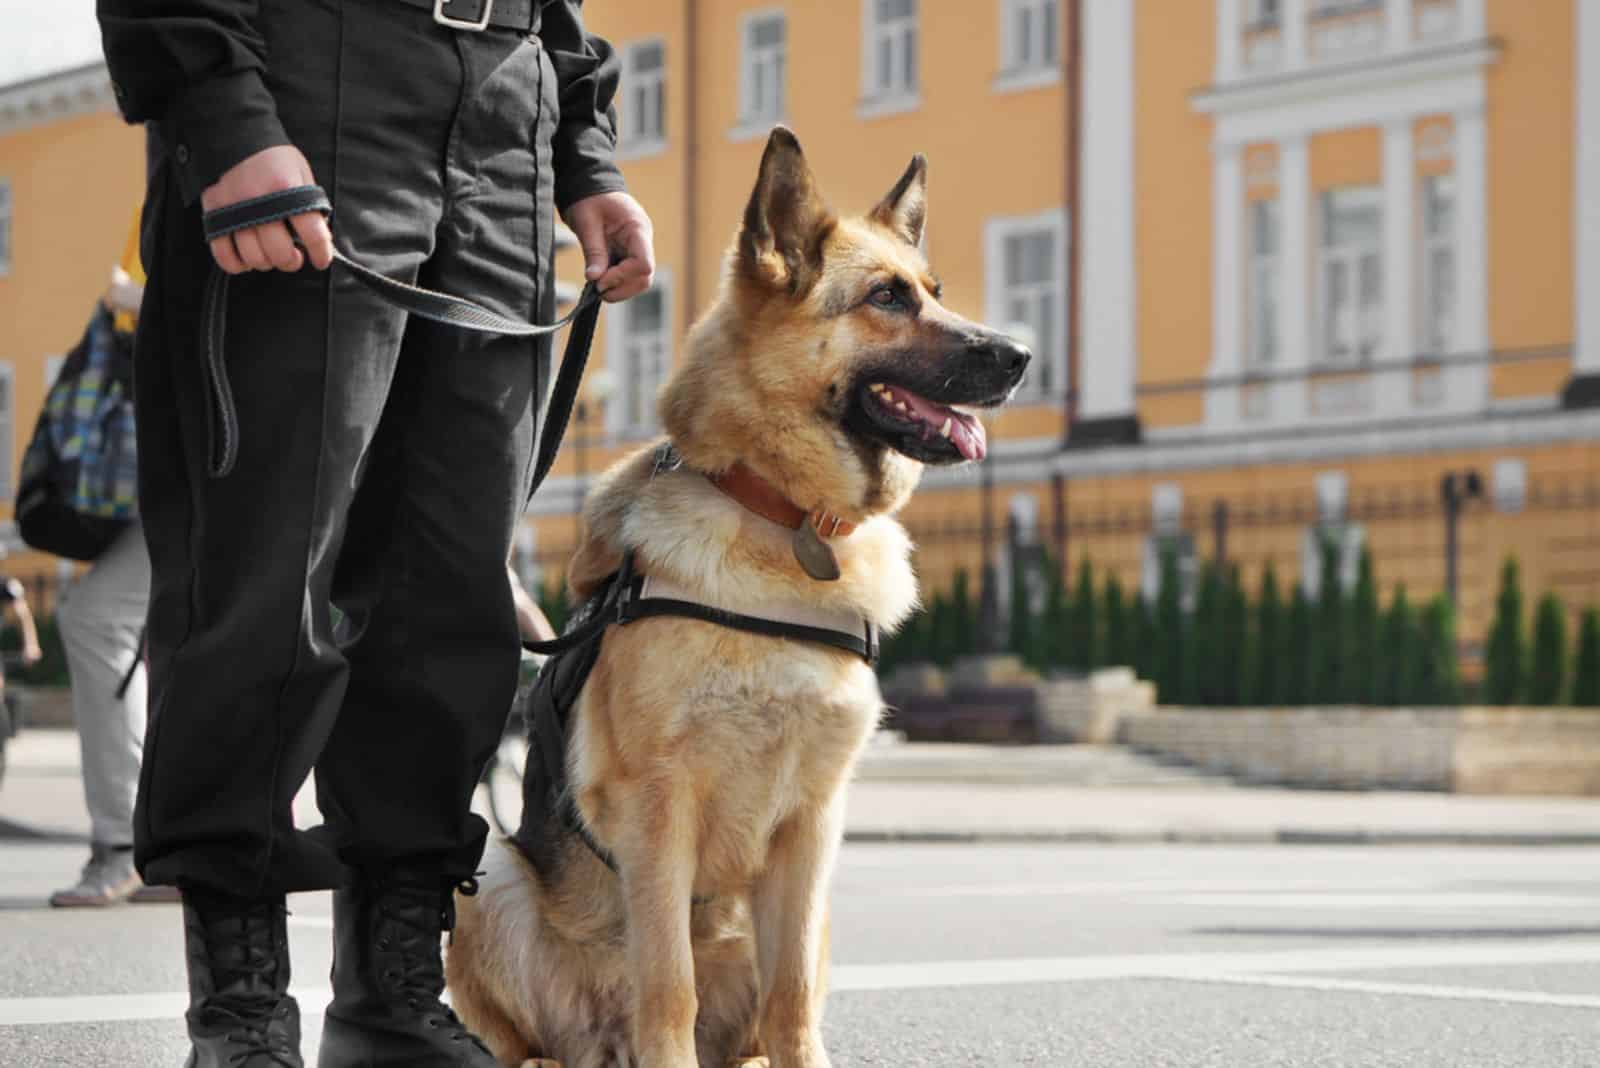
108 879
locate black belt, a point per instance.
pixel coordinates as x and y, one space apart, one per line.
520 15
440 307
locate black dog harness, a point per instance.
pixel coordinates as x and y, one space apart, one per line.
549 809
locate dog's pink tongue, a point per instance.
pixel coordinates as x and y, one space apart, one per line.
968 435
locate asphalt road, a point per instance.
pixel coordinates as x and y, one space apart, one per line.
1109 956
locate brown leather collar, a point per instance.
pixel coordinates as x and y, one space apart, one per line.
758 495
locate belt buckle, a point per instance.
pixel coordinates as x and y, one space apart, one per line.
475 26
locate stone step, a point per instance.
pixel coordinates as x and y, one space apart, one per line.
1067 765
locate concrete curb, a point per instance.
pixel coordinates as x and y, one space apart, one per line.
1280 836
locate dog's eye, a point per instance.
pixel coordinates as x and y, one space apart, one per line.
885 297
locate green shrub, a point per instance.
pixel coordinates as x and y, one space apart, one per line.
1145 640
1203 655
1050 639
1505 666
1271 643
1440 682
1167 666
960 633
1084 646
1547 681
1586 665
555 603
1118 650
1296 685
1398 672
1020 638
1363 664
1234 662
1328 644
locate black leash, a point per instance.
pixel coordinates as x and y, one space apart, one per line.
439 307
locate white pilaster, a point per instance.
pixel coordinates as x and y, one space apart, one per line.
1295 25
1106 285
1393 388
1227 284
1294 293
1474 17
1586 358
1230 26
1401 25
1472 260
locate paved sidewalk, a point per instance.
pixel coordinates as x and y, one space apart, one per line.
981 793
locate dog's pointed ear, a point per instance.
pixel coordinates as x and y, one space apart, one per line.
786 220
905 209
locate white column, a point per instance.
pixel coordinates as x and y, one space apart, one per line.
1227 284
1473 18
1393 388
1401 25
1230 26
1106 284
1294 34
1586 358
1468 388
1294 294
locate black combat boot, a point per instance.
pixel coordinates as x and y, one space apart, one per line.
388 973
240 1012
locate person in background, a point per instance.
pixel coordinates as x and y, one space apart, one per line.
13 594
102 621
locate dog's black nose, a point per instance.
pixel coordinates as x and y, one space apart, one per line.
1011 357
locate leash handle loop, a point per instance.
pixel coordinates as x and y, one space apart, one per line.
427 303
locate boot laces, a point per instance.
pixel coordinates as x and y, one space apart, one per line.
419 973
253 1005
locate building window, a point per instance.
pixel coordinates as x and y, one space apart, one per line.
891 49
1510 485
1027 272
1351 275
644 97
1439 265
1030 35
5 227
1262 14
762 68
1264 240
639 352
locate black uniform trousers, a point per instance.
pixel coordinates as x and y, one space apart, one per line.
383 464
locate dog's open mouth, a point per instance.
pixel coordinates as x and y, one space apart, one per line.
922 429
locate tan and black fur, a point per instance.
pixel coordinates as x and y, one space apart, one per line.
711 762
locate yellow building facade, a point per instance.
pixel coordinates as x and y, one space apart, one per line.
1285 264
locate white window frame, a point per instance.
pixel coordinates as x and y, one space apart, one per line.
622 364
634 139
8 421
1265 281
7 231
1020 67
878 98
751 60
1434 242
1051 352
1349 257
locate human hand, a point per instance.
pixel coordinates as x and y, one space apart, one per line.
608 222
269 246
32 654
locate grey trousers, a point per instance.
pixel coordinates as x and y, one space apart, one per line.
101 618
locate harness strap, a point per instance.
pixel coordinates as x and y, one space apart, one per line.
864 645
427 303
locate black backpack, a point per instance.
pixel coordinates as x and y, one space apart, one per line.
79 484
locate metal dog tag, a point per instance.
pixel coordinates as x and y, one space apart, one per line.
814 554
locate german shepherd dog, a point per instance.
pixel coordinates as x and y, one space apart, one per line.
711 763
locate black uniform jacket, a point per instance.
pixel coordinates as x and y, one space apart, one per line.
195 67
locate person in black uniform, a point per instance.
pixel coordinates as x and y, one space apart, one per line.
382 466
